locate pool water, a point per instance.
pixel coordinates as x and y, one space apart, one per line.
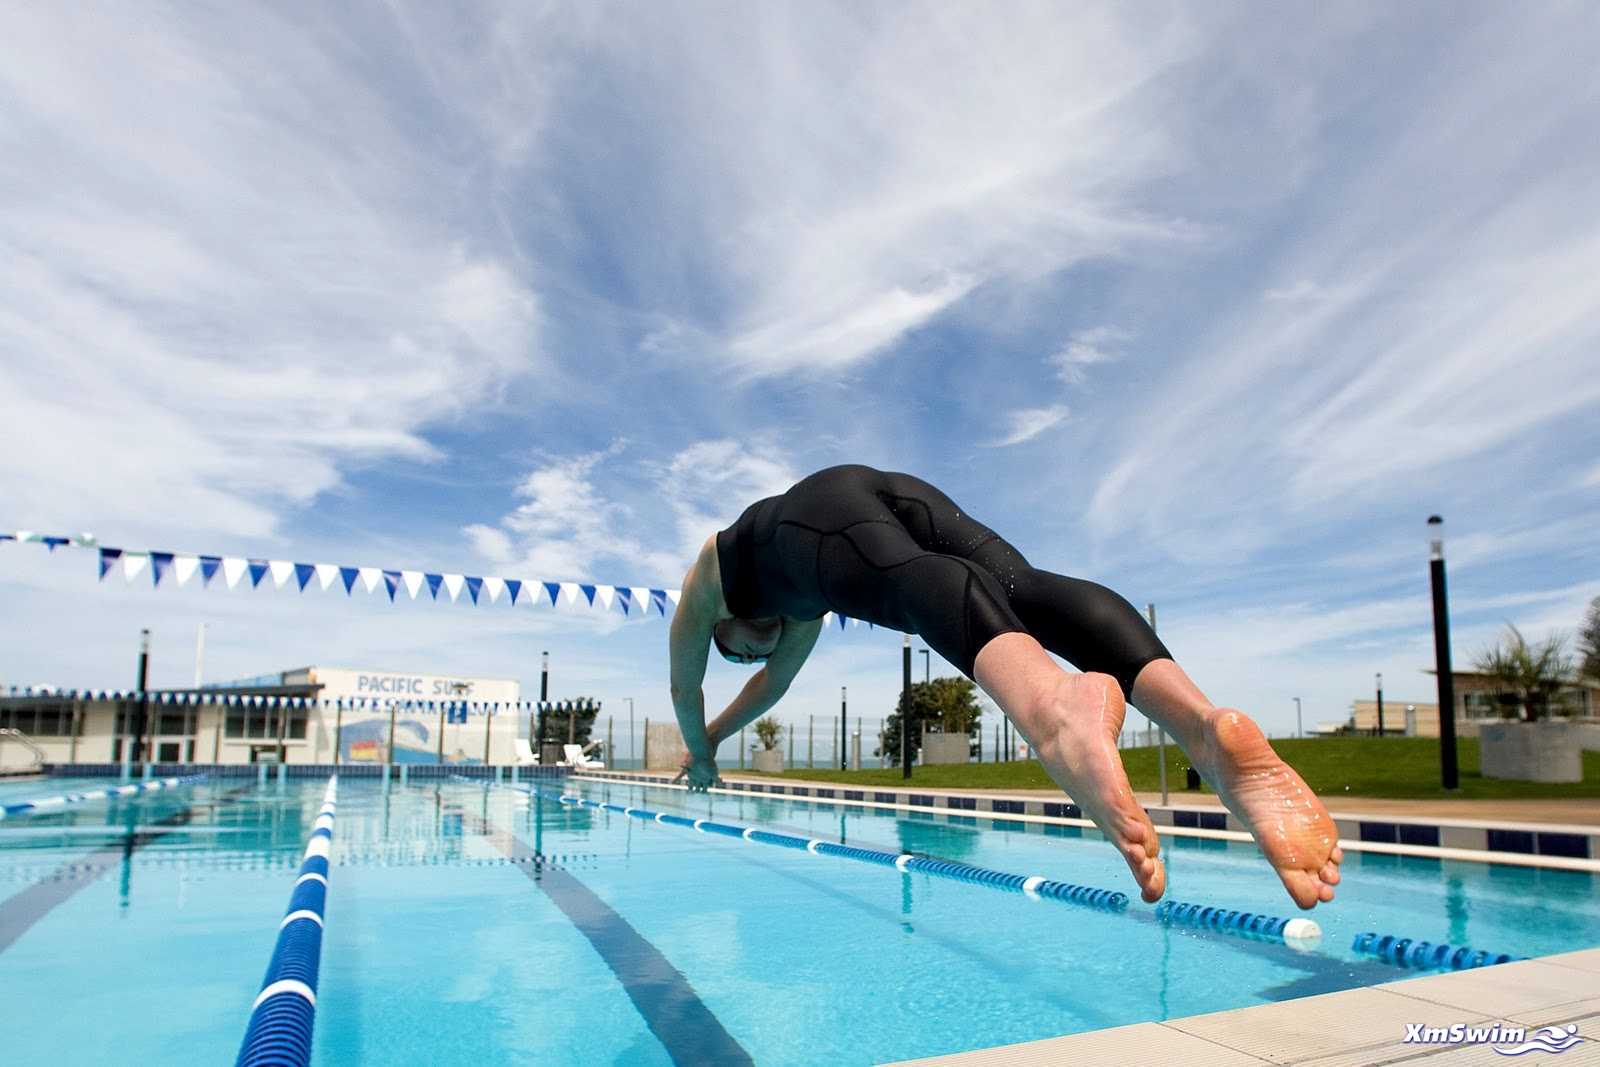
473 925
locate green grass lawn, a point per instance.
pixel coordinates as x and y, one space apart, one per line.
1401 767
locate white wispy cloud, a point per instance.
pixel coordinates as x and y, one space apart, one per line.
1455 320
229 271
843 179
608 516
1027 423
1085 349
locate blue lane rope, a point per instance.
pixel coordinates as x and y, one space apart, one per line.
1035 886
39 805
284 1011
1296 933
1426 956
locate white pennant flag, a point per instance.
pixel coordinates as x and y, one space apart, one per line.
605 594
571 592
183 567
133 563
24 535
452 585
327 574
281 570
827 620
232 568
371 577
413 580
494 587
672 595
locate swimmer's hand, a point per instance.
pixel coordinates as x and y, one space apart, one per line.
702 774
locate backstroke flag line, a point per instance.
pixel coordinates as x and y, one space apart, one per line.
181 567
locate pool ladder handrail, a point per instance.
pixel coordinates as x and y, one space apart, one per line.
11 733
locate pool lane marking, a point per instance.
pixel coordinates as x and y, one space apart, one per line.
670 1007
1469 855
20 912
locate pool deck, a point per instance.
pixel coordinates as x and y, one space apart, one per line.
1353 1028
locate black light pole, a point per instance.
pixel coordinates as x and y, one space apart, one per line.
844 730
544 694
905 708
1380 703
924 666
144 701
1441 655
1299 727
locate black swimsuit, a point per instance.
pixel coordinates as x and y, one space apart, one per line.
893 550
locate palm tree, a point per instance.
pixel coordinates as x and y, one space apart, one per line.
1527 676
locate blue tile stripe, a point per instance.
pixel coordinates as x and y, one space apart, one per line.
46 805
674 1012
284 1012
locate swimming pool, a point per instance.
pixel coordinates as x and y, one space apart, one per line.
478 925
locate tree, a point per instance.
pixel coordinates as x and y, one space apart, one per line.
555 715
1589 642
1527 677
769 731
947 705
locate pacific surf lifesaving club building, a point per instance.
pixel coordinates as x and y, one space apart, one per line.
306 715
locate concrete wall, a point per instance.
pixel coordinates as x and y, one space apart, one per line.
1531 751
663 747
946 748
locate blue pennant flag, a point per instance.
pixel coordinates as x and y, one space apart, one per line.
303 573
258 567
8 537
588 591
624 594
160 564
841 622
349 575
54 543
658 597
434 581
208 568
108 559
513 586
554 589
391 579
473 585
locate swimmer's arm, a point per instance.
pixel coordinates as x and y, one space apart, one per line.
689 642
767 686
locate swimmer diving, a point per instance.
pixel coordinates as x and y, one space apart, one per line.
891 549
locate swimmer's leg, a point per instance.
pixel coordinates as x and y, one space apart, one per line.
1097 630
1291 826
875 571
1071 721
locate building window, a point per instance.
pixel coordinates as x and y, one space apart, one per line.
1480 705
264 723
37 722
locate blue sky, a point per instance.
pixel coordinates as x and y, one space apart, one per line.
1212 304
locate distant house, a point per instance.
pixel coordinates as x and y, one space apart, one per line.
1475 702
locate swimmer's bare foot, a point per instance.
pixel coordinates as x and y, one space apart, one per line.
1082 758
1289 823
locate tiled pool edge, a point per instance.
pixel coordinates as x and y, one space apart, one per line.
1336 1029
1560 847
